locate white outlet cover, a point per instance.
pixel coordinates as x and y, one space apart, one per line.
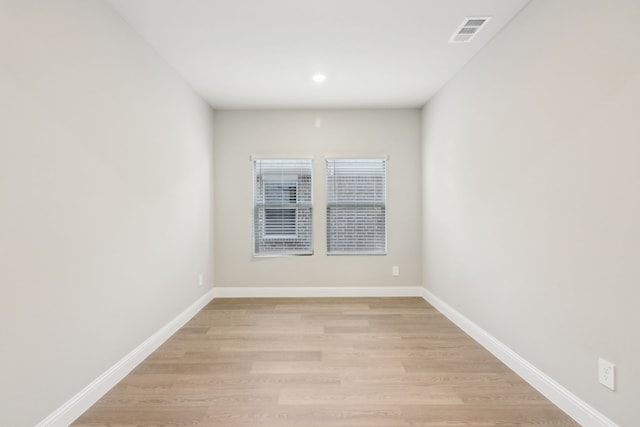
607 373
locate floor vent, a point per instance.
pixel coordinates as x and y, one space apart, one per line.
468 29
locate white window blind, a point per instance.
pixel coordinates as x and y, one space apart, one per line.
356 206
282 207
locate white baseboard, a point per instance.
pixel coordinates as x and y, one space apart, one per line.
317 292
563 398
575 407
78 404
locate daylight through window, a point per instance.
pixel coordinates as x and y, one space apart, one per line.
356 207
282 207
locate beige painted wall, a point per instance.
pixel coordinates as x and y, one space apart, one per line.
241 134
532 194
105 199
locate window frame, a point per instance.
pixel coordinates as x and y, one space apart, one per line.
287 243
356 204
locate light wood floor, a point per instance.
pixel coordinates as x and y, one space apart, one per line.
322 362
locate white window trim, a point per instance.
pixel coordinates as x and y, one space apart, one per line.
383 204
309 205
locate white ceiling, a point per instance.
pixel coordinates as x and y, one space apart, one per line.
263 53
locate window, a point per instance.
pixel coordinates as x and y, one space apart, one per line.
356 207
280 191
282 207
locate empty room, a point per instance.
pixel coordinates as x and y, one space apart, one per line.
325 213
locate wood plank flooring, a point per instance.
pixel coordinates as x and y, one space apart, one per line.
322 362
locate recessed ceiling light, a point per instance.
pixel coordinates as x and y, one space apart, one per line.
319 78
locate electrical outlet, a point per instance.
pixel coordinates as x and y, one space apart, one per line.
200 280
395 270
607 374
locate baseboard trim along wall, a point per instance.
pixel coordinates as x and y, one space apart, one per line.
78 404
575 407
317 292
560 396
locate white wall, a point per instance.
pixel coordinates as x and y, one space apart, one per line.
532 194
240 134
105 199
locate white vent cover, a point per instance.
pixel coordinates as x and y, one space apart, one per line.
468 29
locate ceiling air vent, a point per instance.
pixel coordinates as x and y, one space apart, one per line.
468 29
